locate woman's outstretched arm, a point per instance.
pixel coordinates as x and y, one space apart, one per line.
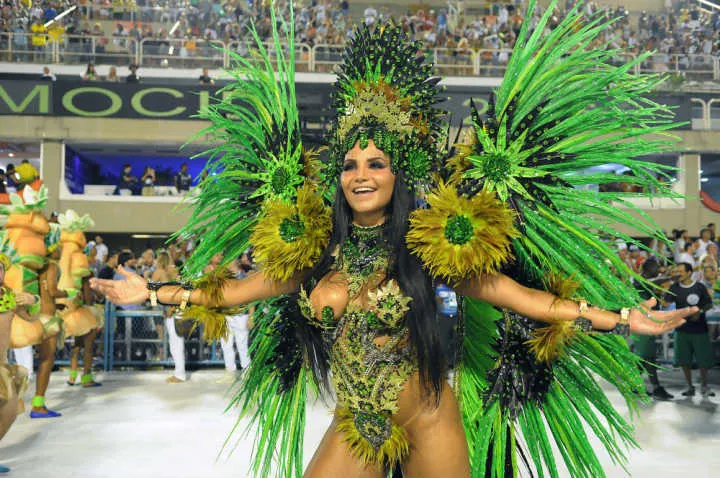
500 290
134 290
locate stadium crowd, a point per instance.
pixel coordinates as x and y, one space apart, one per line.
684 29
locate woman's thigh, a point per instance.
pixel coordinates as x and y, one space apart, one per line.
438 447
333 458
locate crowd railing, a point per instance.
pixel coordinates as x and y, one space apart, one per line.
138 338
319 58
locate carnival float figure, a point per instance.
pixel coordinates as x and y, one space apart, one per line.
348 260
13 378
79 320
26 228
82 318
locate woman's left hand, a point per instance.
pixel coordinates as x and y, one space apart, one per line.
23 298
644 320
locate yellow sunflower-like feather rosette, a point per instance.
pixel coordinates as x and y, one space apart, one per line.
393 450
291 237
457 237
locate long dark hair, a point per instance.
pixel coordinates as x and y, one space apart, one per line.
407 270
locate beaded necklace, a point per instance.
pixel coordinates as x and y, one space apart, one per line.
363 254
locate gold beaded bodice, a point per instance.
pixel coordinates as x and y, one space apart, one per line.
370 354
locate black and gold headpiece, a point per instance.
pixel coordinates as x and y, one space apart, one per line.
386 92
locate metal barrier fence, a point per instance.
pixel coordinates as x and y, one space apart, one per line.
321 58
137 338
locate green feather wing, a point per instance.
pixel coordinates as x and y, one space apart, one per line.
258 154
564 107
272 393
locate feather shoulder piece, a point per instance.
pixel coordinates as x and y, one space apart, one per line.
459 237
259 162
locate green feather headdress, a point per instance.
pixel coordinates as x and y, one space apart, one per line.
28 200
71 221
385 92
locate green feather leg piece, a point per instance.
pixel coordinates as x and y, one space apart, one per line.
258 154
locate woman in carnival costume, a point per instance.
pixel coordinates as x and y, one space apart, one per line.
347 263
13 378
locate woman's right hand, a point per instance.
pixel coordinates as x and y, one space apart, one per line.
132 290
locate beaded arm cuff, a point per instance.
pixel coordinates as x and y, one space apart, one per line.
581 322
621 328
623 325
154 287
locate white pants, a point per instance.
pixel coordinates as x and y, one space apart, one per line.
239 333
177 348
24 357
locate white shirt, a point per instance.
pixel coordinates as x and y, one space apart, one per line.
678 248
702 248
102 252
686 257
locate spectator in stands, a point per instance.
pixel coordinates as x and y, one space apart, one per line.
38 40
20 41
3 189
645 346
93 263
12 179
26 172
205 78
146 265
90 73
148 181
133 77
636 257
128 182
108 270
687 255
183 180
692 339
126 260
680 236
711 253
711 226
238 326
166 272
50 12
47 75
703 242
112 76
102 250
709 278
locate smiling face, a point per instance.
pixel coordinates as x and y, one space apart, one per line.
367 183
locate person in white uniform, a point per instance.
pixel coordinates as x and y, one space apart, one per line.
238 326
